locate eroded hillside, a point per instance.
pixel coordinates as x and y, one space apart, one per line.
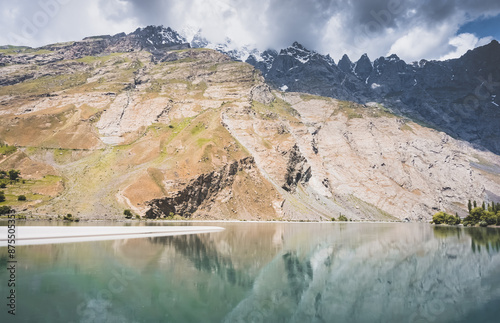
191 133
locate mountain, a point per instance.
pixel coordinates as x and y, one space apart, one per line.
459 96
145 122
152 38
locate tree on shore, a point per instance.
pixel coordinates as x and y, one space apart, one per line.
445 218
483 217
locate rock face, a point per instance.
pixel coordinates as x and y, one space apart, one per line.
144 126
204 192
372 163
297 170
458 96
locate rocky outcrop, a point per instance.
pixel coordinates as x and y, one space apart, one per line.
297 170
199 192
262 94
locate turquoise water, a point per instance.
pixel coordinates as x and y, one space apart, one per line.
265 272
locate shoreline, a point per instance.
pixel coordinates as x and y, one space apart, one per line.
38 235
82 221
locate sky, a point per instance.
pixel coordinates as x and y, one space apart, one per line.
412 29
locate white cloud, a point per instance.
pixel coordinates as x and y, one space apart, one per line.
421 43
49 21
464 42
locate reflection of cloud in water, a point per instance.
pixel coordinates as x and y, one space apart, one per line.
411 278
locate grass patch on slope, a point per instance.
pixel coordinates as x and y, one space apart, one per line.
6 149
350 109
45 84
277 108
36 191
309 97
14 50
354 110
102 59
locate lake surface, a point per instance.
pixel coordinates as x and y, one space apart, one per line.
265 272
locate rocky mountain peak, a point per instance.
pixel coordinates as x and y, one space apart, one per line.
264 61
345 64
199 41
484 57
363 67
393 58
299 52
158 36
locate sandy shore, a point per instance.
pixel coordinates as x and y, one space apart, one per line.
35 235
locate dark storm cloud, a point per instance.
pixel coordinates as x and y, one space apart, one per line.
353 26
281 22
270 21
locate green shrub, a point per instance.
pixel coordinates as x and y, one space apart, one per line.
14 174
5 209
3 185
483 224
2 196
128 214
489 217
333 219
21 198
343 218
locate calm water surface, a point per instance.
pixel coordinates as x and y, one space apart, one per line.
265 272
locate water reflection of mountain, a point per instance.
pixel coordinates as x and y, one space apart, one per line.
203 254
403 276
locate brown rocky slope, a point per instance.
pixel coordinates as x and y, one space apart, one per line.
191 133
